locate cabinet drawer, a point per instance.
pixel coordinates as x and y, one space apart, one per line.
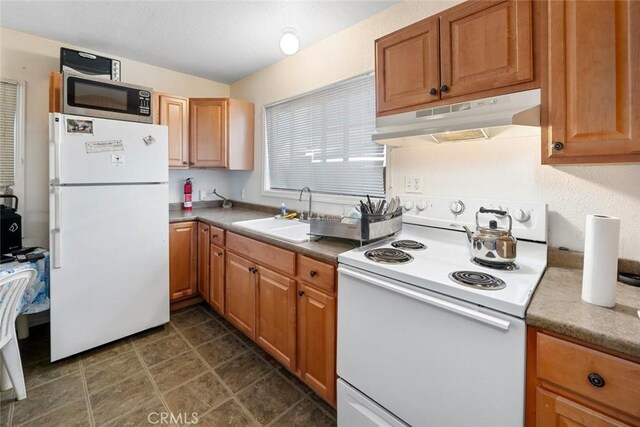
577 368
263 253
217 235
316 273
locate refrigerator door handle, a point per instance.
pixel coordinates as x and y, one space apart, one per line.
55 234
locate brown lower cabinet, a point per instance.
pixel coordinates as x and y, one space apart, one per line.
240 294
570 383
183 257
276 316
285 302
203 261
317 340
216 278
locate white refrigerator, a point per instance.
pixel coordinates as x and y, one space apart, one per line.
109 230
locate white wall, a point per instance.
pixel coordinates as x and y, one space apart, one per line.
507 166
340 56
29 58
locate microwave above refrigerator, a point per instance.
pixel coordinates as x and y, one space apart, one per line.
97 97
88 64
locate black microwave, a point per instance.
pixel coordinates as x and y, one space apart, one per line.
97 97
87 64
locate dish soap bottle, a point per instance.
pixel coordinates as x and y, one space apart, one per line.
283 210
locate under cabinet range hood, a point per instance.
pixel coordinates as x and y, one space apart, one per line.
461 121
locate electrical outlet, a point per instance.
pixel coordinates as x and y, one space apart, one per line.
242 194
413 183
203 194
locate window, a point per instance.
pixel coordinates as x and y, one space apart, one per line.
10 138
323 140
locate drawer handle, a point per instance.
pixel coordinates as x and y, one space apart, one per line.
596 380
215 236
300 293
219 254
206 230
253 269
313 273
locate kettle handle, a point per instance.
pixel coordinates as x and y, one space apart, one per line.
496 212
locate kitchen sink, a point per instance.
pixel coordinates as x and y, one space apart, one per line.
290 230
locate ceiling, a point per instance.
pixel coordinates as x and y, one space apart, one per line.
218 40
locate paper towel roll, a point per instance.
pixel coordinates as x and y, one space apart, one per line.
600 274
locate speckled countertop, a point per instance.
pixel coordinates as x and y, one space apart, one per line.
325 249
557 306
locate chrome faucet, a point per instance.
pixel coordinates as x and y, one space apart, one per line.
300 199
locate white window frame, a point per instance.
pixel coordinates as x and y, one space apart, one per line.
19 149
337 199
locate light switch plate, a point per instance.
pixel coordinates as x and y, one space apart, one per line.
413 183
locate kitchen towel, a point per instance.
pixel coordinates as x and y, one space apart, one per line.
600 274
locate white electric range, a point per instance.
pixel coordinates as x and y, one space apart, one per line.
427 337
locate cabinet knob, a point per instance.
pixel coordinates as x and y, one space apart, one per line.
251 270
444 88
596 380
185 163
300 293
313 273
557 146
433 91
206 230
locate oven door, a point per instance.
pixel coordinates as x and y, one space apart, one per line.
429 359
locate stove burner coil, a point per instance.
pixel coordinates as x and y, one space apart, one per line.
477 280
408 245
388 256
508 266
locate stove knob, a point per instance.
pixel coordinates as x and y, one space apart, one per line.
522 215
456 207
408 205
421 205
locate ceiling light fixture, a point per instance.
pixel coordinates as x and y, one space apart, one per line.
289 43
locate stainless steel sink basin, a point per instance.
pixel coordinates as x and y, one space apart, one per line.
290 230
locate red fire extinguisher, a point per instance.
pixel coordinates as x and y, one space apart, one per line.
188 189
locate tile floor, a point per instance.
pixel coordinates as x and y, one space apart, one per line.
198 363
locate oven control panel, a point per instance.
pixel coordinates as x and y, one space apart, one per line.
529 219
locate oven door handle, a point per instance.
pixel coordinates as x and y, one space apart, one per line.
436 302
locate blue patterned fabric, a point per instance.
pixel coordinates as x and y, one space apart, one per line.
36 296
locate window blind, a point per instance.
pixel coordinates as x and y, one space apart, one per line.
323 140
8 106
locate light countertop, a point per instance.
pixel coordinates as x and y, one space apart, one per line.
326 249
557 306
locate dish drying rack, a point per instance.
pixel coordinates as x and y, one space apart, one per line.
367 228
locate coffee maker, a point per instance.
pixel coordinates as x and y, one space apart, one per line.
10 227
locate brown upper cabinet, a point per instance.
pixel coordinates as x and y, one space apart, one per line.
208 128
476 49
207 132
221 133
591 87
408 66
174 112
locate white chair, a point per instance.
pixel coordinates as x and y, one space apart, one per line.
12 288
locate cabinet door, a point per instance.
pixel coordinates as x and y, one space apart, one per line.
556 411
174 113
203 261
407 66
317 341
486 45
592 94
183 256
276 325
208 119
240 294
216 278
